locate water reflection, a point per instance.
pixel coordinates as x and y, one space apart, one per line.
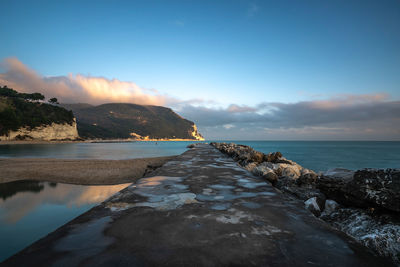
8 190
21 197
30 209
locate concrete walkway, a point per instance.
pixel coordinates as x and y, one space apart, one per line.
201 209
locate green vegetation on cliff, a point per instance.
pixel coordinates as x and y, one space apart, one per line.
25 110
120 120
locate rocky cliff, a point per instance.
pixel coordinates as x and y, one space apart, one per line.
54 131
27 117
195 133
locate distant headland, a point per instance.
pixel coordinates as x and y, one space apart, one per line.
27 117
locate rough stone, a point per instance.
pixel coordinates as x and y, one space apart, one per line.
273 157
271 177
257 157
312 205
265 172
330 206
364 188
292 171
379 232
251 166
307 177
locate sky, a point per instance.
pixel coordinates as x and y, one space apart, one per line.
241 70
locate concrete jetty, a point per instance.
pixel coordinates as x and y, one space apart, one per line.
201 209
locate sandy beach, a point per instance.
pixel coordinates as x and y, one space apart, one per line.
78 171
38 142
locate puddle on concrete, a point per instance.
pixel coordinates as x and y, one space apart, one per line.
221 186
251 205
161 193
168 202
221 206
246 183
228 195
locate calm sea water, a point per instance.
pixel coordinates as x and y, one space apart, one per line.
318 156
30 210
324 155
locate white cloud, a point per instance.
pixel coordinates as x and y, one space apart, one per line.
78 88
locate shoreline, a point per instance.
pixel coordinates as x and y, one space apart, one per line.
94 141
78 171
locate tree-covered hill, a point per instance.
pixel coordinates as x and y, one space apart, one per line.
28 110
120 120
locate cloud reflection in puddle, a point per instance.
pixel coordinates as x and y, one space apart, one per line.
15 207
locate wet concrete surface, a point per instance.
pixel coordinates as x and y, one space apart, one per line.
201 209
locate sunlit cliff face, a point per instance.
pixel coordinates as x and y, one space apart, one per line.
196 135
21 204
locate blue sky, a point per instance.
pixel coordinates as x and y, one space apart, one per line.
228 52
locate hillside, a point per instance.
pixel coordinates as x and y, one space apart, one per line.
27 113
120 120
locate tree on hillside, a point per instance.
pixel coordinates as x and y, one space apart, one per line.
53 101
8 92
5 91
8 120
35 96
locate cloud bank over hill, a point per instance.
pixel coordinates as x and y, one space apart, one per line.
78 88
354 117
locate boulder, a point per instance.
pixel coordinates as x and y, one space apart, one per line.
259 170
307 177
257 156
304 193
313 206
341 173
272 157
271 177
332 183
330 206
250 167
379 188
292 171
376 188
266 173
381 233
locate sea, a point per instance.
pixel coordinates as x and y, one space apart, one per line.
29 210
314 155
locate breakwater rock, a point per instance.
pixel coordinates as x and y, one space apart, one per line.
377 231
367 188
364 204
